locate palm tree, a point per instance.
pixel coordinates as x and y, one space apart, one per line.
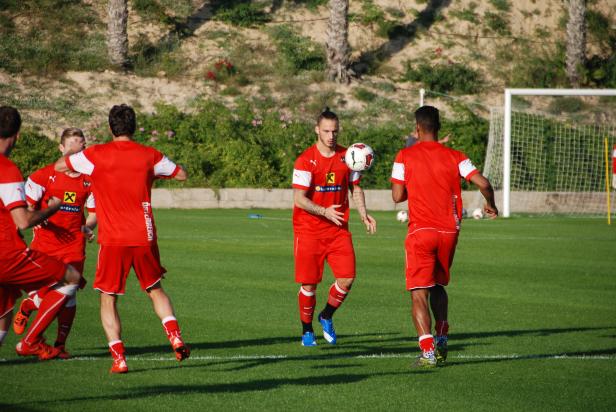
576 40
338 49
117 37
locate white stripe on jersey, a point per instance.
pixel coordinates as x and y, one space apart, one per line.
302 178
164 167
81 164
354 176
34 191
12 192
398 171
466 167
90 204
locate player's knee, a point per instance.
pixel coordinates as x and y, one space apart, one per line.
72 275
309 287
345 283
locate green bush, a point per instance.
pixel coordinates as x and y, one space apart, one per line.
297 53
364 95
242 13
497 23
502 5
565 105
34 151
444 77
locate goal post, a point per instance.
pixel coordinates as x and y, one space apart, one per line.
507 128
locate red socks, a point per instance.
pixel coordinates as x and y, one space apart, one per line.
426 343
307 301
337 295
116 348
50 306
171 326
65 322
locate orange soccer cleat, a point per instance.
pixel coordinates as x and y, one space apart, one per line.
182 351
119 365
40 349
20 322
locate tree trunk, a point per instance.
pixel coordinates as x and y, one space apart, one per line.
338 49
576 40
117 37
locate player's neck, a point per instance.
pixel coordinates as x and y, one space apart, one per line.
427 138
325 150
6 145
123 138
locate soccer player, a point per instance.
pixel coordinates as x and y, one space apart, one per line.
321 183
20 267
122 172
428 175
63 235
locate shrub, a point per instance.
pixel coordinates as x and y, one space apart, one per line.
364 95
444 78
565 105
34 151
297 53
496 23
502 5
242 14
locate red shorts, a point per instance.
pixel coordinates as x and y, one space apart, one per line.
115 262
26 270
429 255
311 254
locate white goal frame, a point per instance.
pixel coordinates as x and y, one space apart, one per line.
507 127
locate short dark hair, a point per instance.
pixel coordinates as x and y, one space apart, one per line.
428 118
71 132
122 120
327 114
10 121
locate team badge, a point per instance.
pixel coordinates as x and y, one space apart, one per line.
331 178
70 197
86 184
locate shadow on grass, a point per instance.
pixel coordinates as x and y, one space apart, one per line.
257 385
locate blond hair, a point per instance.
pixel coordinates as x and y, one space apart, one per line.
71 132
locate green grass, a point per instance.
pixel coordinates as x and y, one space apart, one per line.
529 298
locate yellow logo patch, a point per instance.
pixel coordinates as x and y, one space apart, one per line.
70 197
331 178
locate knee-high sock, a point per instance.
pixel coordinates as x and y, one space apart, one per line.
307 301
171 326
50 306
65 320
337 295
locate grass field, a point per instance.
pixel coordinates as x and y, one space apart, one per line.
532 313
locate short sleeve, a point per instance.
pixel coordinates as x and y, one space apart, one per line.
302 174
35 186
90 203
82 162
466 167
398 172
12 190
164 167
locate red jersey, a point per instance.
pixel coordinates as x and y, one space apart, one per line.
431 173
61 234
326 182
122 173
12 195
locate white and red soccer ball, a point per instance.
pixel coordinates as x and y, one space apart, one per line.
359 157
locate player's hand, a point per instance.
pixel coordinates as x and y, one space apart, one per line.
333 215
491 211
370 224
444 139
54 203
88 233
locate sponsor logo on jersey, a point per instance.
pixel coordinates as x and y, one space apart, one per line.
70 208
149 227
336 188
331 178
314 162
70 197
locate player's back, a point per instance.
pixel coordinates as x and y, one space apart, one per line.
11 195
122 183
432 175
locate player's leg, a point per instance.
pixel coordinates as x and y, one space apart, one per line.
341 258
51 304
5 322
421 249
309 262
28 305
439 301
149 271
66 317
112 268
8 297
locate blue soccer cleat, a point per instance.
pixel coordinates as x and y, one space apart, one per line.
308 339
328 330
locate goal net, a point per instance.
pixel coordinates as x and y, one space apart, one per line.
545 162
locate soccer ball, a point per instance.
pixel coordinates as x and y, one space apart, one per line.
402 216
359 157
477 214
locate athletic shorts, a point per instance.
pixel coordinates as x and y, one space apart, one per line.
78 265
429 255
114 264
311 254
26 270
